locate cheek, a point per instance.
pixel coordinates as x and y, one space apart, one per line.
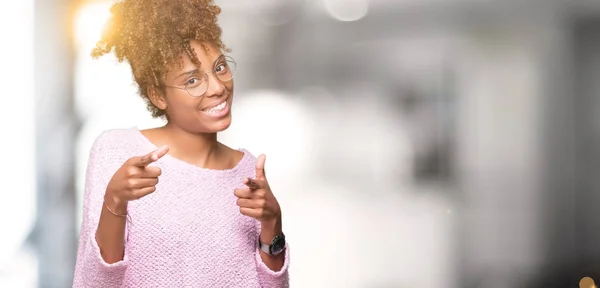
182 101
182 108
229 86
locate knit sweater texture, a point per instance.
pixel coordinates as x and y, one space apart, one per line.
188 233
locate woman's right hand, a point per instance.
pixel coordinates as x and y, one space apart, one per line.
134 180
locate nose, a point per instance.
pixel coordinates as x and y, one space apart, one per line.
215 86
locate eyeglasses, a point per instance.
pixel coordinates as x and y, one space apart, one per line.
196 85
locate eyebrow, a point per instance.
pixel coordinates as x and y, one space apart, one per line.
187 73
197 70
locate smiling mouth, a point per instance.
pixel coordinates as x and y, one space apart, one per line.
216 108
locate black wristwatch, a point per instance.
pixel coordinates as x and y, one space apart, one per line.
276 247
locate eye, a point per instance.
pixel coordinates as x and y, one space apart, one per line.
221 68
193 82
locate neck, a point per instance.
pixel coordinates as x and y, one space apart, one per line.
198 148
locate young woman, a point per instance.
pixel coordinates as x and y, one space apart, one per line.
171 206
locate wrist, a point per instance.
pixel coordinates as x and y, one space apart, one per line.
270 229
115 203
271 240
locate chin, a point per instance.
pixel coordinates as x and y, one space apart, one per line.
221 125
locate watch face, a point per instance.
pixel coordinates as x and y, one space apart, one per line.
278 245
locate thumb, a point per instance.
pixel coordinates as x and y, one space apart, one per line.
260 167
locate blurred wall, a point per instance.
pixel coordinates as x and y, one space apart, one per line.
56 128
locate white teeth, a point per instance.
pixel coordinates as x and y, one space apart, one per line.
217 108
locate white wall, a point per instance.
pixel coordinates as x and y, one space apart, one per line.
17 171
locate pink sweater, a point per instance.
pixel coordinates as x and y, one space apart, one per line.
188 233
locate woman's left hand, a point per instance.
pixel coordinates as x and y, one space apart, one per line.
257 200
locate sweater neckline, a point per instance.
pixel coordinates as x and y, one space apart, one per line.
184 164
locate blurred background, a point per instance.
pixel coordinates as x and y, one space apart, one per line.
411 143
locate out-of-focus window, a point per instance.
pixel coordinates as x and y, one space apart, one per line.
17 171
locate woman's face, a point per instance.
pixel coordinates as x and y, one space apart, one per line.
209 112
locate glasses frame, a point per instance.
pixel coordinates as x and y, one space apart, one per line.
228 59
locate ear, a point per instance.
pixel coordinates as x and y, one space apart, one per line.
157 98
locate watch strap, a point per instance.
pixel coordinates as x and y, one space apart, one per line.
264 247
268 248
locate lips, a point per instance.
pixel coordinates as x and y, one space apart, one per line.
215 107
217 111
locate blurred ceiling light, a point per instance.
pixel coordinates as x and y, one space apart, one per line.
89 24
346 10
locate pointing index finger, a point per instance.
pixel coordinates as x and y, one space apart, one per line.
152 156
252 184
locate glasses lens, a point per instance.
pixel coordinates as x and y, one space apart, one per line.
225 69
196 86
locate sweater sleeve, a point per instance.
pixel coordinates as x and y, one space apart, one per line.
90 269
269 278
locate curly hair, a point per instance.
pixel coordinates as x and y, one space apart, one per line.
151 35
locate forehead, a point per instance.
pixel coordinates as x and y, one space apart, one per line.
205 52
